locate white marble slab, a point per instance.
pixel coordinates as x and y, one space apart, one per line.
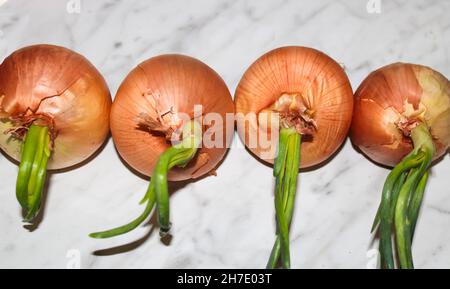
225 221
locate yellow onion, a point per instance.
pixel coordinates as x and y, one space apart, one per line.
159 89
157 101
402 119
60 87
300 81
391 100
54 110
302 99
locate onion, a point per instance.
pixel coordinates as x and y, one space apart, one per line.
394 97
63 101
402 119
307 83
306 97
155 101
169 85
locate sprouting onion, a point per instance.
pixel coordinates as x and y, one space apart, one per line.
54 111
156 130
301 102
402 119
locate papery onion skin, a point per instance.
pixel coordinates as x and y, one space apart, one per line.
321 82
64 86
177 83
397 91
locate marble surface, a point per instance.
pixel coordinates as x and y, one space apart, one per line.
225 221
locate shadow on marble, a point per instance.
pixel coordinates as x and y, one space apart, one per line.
152 223
129 246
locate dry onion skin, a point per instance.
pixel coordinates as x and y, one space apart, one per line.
54 110
402 119
156 103
305 98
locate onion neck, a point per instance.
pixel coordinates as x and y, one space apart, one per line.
422 139
179 155
36 151
293 111
285 171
